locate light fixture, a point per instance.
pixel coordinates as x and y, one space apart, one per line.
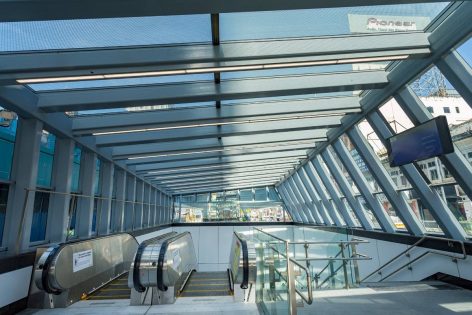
209 70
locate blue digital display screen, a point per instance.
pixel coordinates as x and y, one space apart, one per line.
422 142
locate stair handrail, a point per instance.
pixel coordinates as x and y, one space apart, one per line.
409 248
454 257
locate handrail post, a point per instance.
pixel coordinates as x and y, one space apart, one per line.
356 265
292 298
346 278
332 272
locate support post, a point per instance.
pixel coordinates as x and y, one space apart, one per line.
59 210
429 197
385 182
120 180
85 204
103 221
24 173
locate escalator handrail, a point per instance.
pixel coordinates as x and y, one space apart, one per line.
245 282
52 256
137 261
45 273
160 262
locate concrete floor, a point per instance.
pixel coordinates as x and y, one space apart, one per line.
434 298
200 305
384 299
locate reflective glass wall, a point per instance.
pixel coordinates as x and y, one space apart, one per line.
261 204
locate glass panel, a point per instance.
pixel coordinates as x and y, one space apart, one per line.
44 35
96 203
271 285
96 184
458 203
227 207
8 127
353 214
40 217
76 169
331 21
245 195
370 213
46 158
273 194
260 194
399 180
301 70
78 85
439 97
465 50
72 217
361 164
399 225
422 212
3 208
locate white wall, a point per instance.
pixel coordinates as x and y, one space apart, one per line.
213 244
144 237
14 285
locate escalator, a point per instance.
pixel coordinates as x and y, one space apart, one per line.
157 271
207 284
114 290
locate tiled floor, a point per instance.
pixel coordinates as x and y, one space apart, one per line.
201 305
386 299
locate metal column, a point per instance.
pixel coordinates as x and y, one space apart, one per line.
24 173
455 162
120 180
138 207
316 182
306 197
352 168
301 201
85 204
59 204
295 202
129 205
335 196
103 219
429 197
346 189
294 212
459 73
385 182
152 205
311 190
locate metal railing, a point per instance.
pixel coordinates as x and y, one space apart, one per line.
407 254
298 262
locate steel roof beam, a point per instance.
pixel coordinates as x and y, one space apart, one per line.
37 10
186 181
125 152
301 148
92 62
207 91
228 181
219 187
201 116
236 166
229 172
318 127
269 157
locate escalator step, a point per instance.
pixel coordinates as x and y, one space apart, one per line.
117 289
